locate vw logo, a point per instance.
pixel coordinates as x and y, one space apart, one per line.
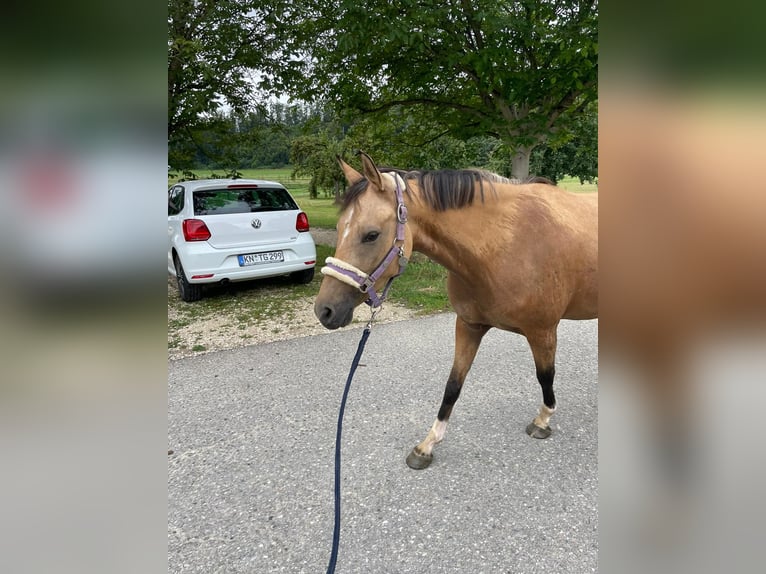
256 223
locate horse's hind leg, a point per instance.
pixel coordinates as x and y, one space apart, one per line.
543 345
467 340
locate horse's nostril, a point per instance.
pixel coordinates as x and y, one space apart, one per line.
324 313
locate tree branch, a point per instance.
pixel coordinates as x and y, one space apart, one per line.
566 102
433 139
473 29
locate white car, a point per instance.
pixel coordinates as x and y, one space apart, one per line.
222 230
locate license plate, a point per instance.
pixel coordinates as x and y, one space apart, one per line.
259 258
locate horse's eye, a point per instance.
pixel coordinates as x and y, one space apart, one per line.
371 237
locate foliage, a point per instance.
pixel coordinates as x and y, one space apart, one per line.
315 156
576 156
258 138
309 139
212 46
450 85
216 142
216 51
520 71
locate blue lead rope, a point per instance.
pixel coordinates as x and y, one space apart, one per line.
336 530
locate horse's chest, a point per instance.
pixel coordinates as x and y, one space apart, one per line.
474 312
473 303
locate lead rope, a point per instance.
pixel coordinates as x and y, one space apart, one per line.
354 365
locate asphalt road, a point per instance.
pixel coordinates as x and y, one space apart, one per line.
252 433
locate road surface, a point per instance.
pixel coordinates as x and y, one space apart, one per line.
252 434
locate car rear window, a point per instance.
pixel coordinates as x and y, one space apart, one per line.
220 201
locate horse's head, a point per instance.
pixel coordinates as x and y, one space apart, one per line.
373 244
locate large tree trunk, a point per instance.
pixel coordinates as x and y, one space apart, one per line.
520 162
338 191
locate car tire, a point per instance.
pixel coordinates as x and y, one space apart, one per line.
303 277
188 292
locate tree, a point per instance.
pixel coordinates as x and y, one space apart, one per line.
213 47
315 156
520 71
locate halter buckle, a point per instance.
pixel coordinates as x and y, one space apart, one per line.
401 213
366 285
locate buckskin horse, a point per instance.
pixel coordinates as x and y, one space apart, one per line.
520 257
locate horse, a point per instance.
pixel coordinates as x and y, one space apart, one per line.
520 257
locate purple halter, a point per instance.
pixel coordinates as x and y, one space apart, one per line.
355 277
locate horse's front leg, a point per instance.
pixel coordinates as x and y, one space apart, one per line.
543 345
467 340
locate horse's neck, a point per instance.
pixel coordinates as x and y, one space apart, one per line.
452 238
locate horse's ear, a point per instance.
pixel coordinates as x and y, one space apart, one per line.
370 171
351 174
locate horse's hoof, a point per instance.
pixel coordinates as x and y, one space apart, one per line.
418 461
538 432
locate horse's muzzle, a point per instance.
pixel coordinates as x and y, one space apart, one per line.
334 316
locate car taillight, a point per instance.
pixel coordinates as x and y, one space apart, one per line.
302 223
195 230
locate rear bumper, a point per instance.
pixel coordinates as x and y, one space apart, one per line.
223 264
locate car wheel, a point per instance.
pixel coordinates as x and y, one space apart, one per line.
188 291
303 277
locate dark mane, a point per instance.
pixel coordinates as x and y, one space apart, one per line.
440 189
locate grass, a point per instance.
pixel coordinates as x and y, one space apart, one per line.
321 212
573 184
423 286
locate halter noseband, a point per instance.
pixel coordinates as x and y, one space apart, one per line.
357 278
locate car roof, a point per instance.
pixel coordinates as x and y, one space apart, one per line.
196 184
